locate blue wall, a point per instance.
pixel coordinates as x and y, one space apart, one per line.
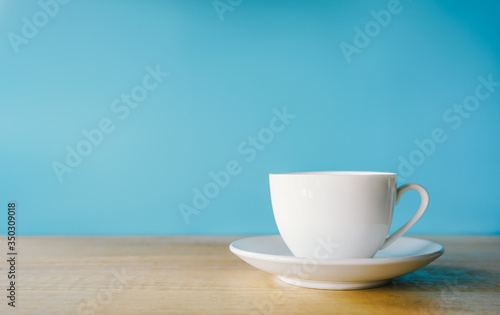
115 113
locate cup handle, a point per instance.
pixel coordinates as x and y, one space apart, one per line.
424 203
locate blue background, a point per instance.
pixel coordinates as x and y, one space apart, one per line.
227 72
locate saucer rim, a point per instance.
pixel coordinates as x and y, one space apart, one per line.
338 262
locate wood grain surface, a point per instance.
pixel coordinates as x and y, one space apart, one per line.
199 275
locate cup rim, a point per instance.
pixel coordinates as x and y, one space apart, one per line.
336 173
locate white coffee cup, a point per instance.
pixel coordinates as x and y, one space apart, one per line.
338 215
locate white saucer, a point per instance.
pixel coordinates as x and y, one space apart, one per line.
270 254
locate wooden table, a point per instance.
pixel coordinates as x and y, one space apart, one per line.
199 275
